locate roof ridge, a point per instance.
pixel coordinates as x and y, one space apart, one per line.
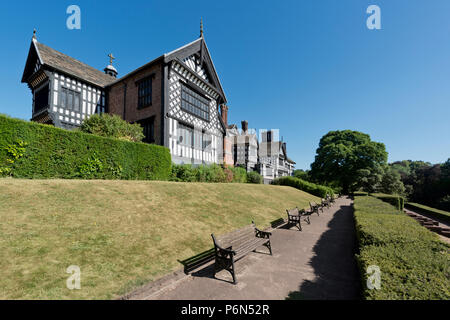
60 57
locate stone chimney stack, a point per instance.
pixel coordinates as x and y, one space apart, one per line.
244 126
224 113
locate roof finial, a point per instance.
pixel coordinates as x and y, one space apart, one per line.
111 58
34 34
201 27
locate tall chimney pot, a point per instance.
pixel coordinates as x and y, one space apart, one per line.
224 113
244 126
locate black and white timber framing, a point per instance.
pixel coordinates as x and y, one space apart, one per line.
74 90
191 67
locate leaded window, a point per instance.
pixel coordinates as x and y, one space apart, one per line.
69 99
145 92
185 135
148 126
194 103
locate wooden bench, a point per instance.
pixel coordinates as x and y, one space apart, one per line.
295 215
235 245
330 198
325 203
315 207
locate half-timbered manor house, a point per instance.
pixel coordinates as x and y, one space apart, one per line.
176 97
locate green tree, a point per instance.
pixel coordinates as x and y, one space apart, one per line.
113 126
369 180
341 154
302 174
391 182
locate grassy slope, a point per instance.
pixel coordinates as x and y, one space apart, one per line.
440 214
120 233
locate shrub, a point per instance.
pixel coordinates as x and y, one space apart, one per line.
229 176
420 208
56 153
210 173
112 126
183 172
309 187
201 173
412 260
239 174
395 200
254 177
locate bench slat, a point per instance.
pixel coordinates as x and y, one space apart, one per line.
236 241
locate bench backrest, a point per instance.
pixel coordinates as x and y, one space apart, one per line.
236 237
292 212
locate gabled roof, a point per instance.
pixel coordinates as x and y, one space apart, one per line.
65 64
198 47
278 147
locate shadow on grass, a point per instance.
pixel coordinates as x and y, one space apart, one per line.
335 268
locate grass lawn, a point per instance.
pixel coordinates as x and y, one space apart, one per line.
420 208
120 233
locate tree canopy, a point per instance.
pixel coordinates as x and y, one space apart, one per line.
343 156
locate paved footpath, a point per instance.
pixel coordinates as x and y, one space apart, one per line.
316 263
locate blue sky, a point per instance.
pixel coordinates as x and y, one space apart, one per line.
304 67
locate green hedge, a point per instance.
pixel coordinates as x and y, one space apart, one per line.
412 260
395 200
56 153
210 173
420 208
312 188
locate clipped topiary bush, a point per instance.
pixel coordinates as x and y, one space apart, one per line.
395 200
51 152
412 261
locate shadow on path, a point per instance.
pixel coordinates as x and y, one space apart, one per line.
334 264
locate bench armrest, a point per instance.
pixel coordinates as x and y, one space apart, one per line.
223 251
262 234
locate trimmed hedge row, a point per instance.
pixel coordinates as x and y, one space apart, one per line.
395 200
212 173
420 208
412 261
56 153
309 187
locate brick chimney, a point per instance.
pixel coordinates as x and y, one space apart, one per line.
244 126
224 113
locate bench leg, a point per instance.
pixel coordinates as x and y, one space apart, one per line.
232 272
299 224
307 220
267 244
225 264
